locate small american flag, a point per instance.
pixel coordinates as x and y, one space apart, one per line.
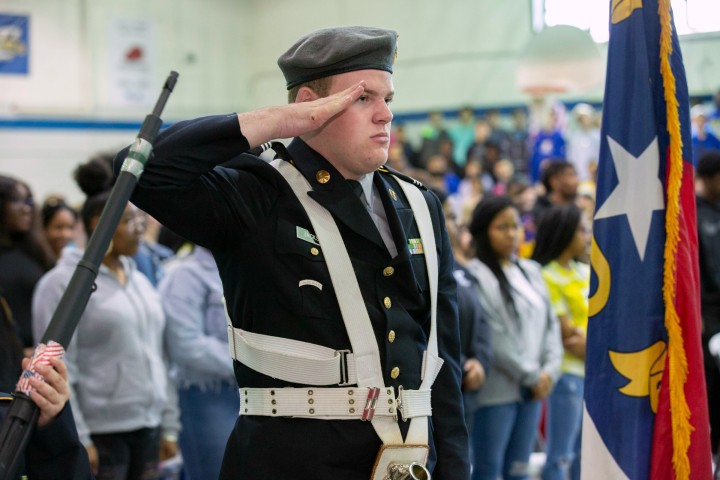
42 355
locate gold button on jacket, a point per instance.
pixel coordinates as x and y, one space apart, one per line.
322 176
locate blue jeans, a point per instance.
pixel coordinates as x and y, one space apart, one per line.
503 439
563 429
208 416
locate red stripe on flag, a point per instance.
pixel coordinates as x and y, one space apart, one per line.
687 303
41 356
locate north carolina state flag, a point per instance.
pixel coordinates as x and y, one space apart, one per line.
645 402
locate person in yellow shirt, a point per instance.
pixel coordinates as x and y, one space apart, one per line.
562 237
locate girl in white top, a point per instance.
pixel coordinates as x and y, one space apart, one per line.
526 342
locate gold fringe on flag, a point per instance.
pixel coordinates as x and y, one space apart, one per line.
679 410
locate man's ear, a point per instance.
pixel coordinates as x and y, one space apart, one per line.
306 94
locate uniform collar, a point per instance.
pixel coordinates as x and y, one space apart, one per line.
366 182
332 191
321 174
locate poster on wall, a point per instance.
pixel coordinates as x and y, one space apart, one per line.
14 44
131 63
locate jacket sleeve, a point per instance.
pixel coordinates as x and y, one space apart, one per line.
466 318
449 431
483 338
55 451
170 422
475 333
553 348
184 187
184 298
552 345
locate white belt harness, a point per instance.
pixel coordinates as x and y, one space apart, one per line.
310 364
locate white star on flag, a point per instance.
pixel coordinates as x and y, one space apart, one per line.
638 193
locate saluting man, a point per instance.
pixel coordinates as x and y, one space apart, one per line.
337 272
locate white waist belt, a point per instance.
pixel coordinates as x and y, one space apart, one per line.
354 403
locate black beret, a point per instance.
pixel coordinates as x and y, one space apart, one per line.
331 51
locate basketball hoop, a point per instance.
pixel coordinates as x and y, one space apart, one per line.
560 59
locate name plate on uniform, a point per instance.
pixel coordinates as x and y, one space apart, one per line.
395 462
304 234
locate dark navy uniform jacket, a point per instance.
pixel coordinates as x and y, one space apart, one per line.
54 452
247 215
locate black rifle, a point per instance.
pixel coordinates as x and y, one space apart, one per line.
23 413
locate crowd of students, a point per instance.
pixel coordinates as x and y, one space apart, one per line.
155 369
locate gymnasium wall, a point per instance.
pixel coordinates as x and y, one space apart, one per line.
76 100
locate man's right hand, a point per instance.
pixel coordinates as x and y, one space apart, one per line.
295 119
94 458
543 387
575 345
473 375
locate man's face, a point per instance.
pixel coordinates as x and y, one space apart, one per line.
19 210
356 141
570 183
126 239
566 183
712 186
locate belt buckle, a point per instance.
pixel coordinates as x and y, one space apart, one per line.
344 375
400 404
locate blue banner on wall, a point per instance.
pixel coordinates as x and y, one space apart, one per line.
14 44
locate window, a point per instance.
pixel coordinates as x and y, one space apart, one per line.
691 16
